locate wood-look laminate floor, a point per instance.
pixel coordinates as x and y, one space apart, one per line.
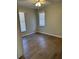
40 46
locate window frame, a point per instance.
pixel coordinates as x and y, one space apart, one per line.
25 22
44 18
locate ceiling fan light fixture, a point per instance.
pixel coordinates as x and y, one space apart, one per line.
38 4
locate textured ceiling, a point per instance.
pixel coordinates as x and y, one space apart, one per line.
30 3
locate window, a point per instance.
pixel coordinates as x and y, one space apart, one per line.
22 21
41 18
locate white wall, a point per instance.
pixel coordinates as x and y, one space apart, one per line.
53 19
19 47
19 42
30 20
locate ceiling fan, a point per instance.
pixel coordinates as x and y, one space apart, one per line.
39 3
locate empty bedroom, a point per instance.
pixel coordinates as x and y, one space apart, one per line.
39 29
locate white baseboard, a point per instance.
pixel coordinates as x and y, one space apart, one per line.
43 33
51 34
28 34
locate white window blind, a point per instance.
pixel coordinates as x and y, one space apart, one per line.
22 21
41 18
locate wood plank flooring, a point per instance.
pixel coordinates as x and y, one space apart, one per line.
40 46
